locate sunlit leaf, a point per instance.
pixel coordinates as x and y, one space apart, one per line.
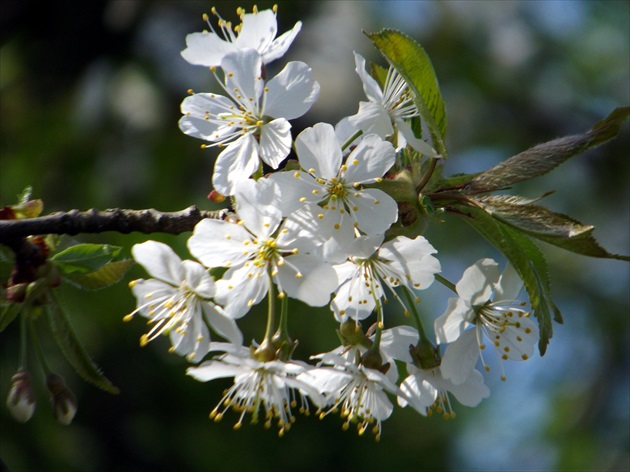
107 275
545 157
84 258
546 225
414 65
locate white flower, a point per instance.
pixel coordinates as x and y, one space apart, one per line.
253 118
487 301
176 301
259 250
333 189
257 31
357 392
271 385
427 390
388 108
401 261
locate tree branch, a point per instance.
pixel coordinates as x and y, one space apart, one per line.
94 221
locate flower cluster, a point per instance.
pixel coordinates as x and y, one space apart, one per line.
323 229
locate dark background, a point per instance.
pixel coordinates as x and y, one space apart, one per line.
89 103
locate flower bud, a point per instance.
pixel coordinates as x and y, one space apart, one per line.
21 400
63 401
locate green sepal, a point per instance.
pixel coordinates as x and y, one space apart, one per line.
109 274
546 225
84 258
545 157
529 263
73 350
413 64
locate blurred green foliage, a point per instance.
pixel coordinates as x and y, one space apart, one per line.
90 95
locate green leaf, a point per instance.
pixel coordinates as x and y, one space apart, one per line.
530 264
546 225
414 65
107 275
8 312
452 182
545 157
84 258
73 350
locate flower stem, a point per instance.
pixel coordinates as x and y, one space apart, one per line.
446 283
38 347
271 311
427 175
414 311
23 339
351 139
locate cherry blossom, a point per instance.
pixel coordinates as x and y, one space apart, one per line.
257 31
177 300
252 120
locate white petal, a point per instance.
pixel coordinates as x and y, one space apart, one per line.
376 211
242 75
460 357
472 391
223 325
519 339
238 292
291 93
147 290
206 49
235 164
370 160
275 142
354 299
214 369
257 31
258 205
370 86
344 129
452 323
417 144
198 279
160 261
414 259
477 284
395 342
509 286
372 118
296 191
419 393
281 44
194 342
217 243
317 148
318 280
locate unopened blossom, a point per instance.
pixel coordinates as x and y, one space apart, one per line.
334 187
64 403
261 250
372 265
388 110
428 391
178 301
488 305
21 398
252 120
257 31
271 386
358 393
